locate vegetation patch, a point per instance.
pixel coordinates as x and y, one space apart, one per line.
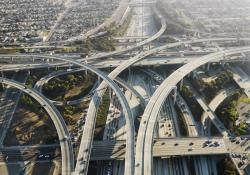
36 75
210 89
245 100
228 113
69 87
72 113
102 117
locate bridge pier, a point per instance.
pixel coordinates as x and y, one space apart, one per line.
194 74
208 66
243 61
98 80
181 83
86 72
174 94
222 63
110 94
2 75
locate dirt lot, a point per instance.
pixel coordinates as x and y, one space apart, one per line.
29 128
10 169
42 169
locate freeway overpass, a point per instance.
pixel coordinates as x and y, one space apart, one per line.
147 53
242 79
151 112
86 145
149 61
168 147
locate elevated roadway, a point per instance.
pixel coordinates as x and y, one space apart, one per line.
155 50
137 45
167 147
165 89
110 63
242 79
201 164
213 105
129 166
65 141
211 114
84 151
85 148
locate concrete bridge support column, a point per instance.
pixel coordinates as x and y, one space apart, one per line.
86 71
174 94
194 74
2 75
222 63
208 66
110 94
70 66
244 61
181 84
98 80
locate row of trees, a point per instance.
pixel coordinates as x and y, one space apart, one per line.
102 117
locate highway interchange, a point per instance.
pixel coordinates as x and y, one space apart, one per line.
139 148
